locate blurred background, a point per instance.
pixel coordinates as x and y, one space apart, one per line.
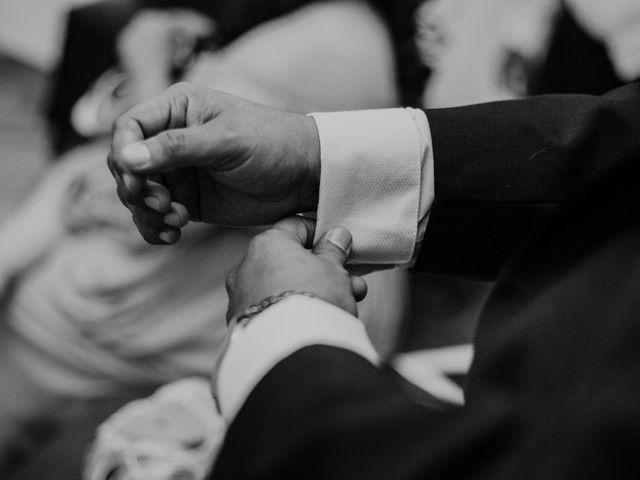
31 43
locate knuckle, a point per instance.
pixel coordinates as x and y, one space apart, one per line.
342 271
173 142
332 251
270 239
264 238
254 246
259 244
182 87
230 136
123 122
336 271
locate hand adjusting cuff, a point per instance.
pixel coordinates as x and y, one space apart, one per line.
244 318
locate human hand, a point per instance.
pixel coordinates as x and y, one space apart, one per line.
193 153
277 261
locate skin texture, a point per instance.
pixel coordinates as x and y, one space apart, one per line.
277 260
194 153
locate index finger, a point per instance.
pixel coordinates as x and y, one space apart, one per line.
166 111
145 120
298 229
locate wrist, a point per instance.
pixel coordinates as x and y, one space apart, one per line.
245 316
279 331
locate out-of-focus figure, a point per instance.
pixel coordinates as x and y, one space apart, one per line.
91 310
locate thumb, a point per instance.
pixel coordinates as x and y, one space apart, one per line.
170 150
334 245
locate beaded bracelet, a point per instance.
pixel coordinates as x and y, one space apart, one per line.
243 318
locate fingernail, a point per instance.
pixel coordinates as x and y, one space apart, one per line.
136 155
153 203
341 238
167 236
172 219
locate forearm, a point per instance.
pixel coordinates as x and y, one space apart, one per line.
317 411
496 170
534 150
501 168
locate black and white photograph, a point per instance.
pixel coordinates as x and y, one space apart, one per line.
319 239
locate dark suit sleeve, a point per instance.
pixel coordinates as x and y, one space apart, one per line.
501 168
325 413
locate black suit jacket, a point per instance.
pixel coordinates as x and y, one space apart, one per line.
545 191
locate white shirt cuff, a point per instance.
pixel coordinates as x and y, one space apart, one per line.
289 325
376 180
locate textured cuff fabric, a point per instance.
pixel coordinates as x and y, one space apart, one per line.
370 181
276 333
